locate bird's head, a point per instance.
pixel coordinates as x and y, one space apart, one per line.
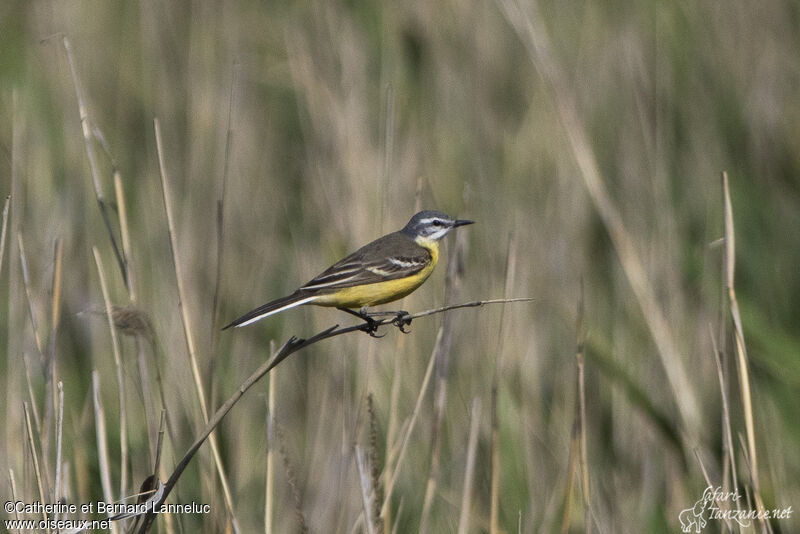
431 225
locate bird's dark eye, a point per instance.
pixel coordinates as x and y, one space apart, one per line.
437 223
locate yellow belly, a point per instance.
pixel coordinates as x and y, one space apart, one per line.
380 292
374 294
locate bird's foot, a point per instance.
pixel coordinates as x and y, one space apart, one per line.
401 321
400 318
371 326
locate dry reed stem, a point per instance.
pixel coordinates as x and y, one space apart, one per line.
29 295
122 209
358 525
741 349
46 360
3 230
746 457
158 466
574 452
160 443
14 492
93 166
50 358
394 448
15 324
494 492
171 432
35 456
721 357
417 408
726 415
397 515
84 118
367 492
31 396
269 499
55 315
587 496
145 385
481 521
584 454
534 36
721 505
102 443
187 329
37 337
721 354
494 496
215 307
577 446
219 226
123 412
472 450
59 442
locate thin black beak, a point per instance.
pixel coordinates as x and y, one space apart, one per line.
462 222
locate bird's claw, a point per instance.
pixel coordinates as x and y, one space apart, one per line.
401 321
371 327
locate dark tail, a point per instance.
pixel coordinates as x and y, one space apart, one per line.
278 305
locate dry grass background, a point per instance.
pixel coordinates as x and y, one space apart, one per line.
329 123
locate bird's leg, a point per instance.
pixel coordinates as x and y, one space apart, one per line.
372 324
400 320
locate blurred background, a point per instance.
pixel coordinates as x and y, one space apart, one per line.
587 141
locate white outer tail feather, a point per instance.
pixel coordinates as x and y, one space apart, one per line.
278 310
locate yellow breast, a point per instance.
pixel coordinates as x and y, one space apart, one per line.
382 292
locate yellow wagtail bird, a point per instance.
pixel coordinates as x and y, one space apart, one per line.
385 270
